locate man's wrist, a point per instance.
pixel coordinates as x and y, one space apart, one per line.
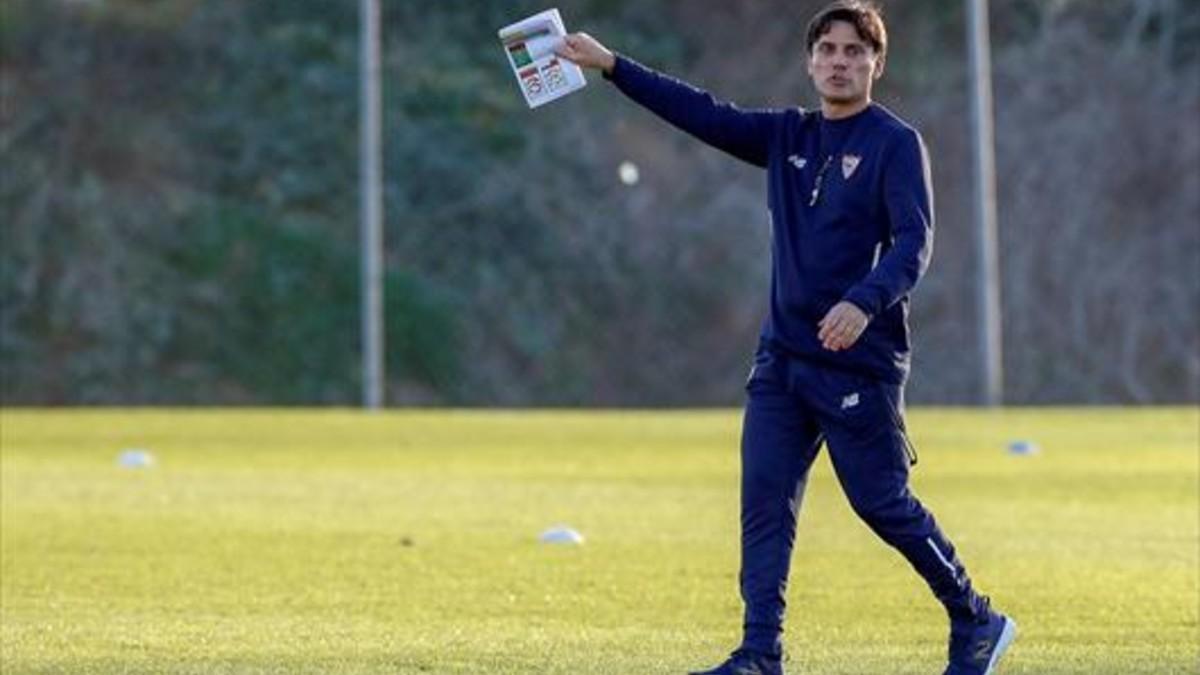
861 305
607 69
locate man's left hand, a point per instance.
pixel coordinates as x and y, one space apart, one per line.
842 326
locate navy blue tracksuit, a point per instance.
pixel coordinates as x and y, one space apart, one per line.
851 220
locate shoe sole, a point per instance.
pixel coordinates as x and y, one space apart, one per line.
1006 637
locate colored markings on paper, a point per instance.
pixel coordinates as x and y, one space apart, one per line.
520 36
517 51
531 81
553 73
519 55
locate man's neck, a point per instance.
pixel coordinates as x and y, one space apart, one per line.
836 110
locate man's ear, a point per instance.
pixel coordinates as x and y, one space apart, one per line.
879 63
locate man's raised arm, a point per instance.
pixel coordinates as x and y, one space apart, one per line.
742 133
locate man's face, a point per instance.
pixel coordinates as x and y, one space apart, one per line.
843 66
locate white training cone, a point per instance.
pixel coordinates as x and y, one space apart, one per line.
1022 447
561 534
135 458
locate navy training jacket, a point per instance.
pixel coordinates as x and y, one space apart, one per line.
865 238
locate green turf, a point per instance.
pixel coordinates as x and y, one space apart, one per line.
338 542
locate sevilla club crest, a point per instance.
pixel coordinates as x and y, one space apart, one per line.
849 164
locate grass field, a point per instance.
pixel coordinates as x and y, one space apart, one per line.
406 542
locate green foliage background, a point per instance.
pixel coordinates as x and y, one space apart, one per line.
179 205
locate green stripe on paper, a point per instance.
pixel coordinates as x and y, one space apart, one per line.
520 55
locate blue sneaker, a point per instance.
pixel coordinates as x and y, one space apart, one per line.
976 647
745 662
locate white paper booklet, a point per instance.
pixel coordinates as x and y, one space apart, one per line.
542 75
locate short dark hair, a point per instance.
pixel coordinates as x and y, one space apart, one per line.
864 16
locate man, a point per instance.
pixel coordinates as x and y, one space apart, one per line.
852 227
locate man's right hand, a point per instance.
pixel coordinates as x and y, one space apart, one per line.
585 51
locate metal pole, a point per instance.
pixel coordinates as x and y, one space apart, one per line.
371 236
990 346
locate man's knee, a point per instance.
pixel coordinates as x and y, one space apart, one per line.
886 512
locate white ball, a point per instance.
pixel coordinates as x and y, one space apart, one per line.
628 173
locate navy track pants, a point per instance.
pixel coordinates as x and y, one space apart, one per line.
792 407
